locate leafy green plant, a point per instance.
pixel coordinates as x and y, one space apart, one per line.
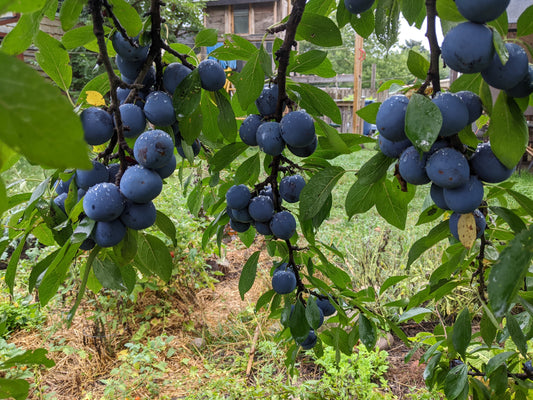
21 313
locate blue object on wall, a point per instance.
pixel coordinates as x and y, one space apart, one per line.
225 64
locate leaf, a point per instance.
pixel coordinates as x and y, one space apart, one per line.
187 95
21 36
312 313
98 84
499 46
414 312
316 191
317 102
525 202
388 84
70 12
387 22
435 235
462 332
507 273
319 30
8 157
524 25
108 273
456 381
361 198
501 24
417 64
298 322
94 98
124 252
429 214
374 169
165 225
322 7
470 82
154 256
226 117
249 82
14 388
364 23
29 357
498 360
237 48
335 140
487 329
392 203
3 197
31 110
508 131
367 332
77 37
369 112
53 58
467 230
516 334
21 6
248 273
206 37
412 10
226 155
190 128
307 61
39 268
11 270
391 281
447 10
194 200
429 371
128 17
423 121
513 220
248 171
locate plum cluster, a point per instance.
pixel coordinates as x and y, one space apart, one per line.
296 130
456 179
469 48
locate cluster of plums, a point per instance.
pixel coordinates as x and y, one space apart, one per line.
245 210
456 179
469 48
296 130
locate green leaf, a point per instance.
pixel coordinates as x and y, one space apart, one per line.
429 214
108 273
392 203
525 202
316 191
187 95
234 48
312 313
435 235
414 312
317 102
127 16
374 169
516 334
31 110
388 84
508 131
53 58
456 381
498 360
417 64
165 225
367 332
194 200
335 140
468 137
429 371
322 7
154 256
70 12
412 10
307 61
190 128
11 270
248 171
39 268
3 197
423 121
226 155
470 82
264 299
391 281
99 83
226 117
462 332
501 24
499 46
249 270
487 329
77 37
364 23
369 112
265 60
343 16
524 26
124 252
8 157
249 82
507 274
298 322
361 198
447 10
319 30
513 220
387 22
21 6
210 128
21 36
14 388
206 37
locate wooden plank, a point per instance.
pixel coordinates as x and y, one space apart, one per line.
357 84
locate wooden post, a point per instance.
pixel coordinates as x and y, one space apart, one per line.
357 88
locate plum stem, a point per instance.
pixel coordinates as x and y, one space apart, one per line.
117 24
433 76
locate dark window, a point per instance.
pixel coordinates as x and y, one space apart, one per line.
240 19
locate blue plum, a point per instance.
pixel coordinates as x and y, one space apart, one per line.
290 188
448 168
128 69
283 225
506 77
454 113
412 166
284 280
390 119
97 126
88 244
268 100
437 195
269 138
465 198
168 169
392 149
60 201
326 307
238 197
473 104
62 186
486 165
113 170
267 191
138 215
87 178
239 226
126 50
261 208
248 129
81 193
310 341
109 234
153 149
481 224
358 6
133 120
103 202
242 215
174 74
304 151
263 228
468 48
297 129
140 184
481 11
212 75
525 87
122 95
159 109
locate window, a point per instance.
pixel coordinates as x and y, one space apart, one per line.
240 19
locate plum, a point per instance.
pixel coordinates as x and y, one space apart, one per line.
124 48
128 69
269 138
109 233
62 186
465 198
87 244
481 224
454 113
468 48
310 341
138 215
473 104
81 193
112 170
103 202
153 149
268 100
267 191
60 201
358 6
242 215
290 188
133 120
437 195
390 119
261 208
525 87
97 126
283 225
297 129
159 109
168 169
506 77
326 307
392 149
122 95
412 166
237 226
486 165
448 168
263 228
87 178
284 280
212 75
174 74
481 11
304 151
140 184
196 146
238 197
248 129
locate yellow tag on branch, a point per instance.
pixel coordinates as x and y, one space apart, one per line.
94 98
466 228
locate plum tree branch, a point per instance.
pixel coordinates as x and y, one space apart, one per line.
433 76
118 25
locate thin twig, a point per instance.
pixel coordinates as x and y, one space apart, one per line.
433 76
